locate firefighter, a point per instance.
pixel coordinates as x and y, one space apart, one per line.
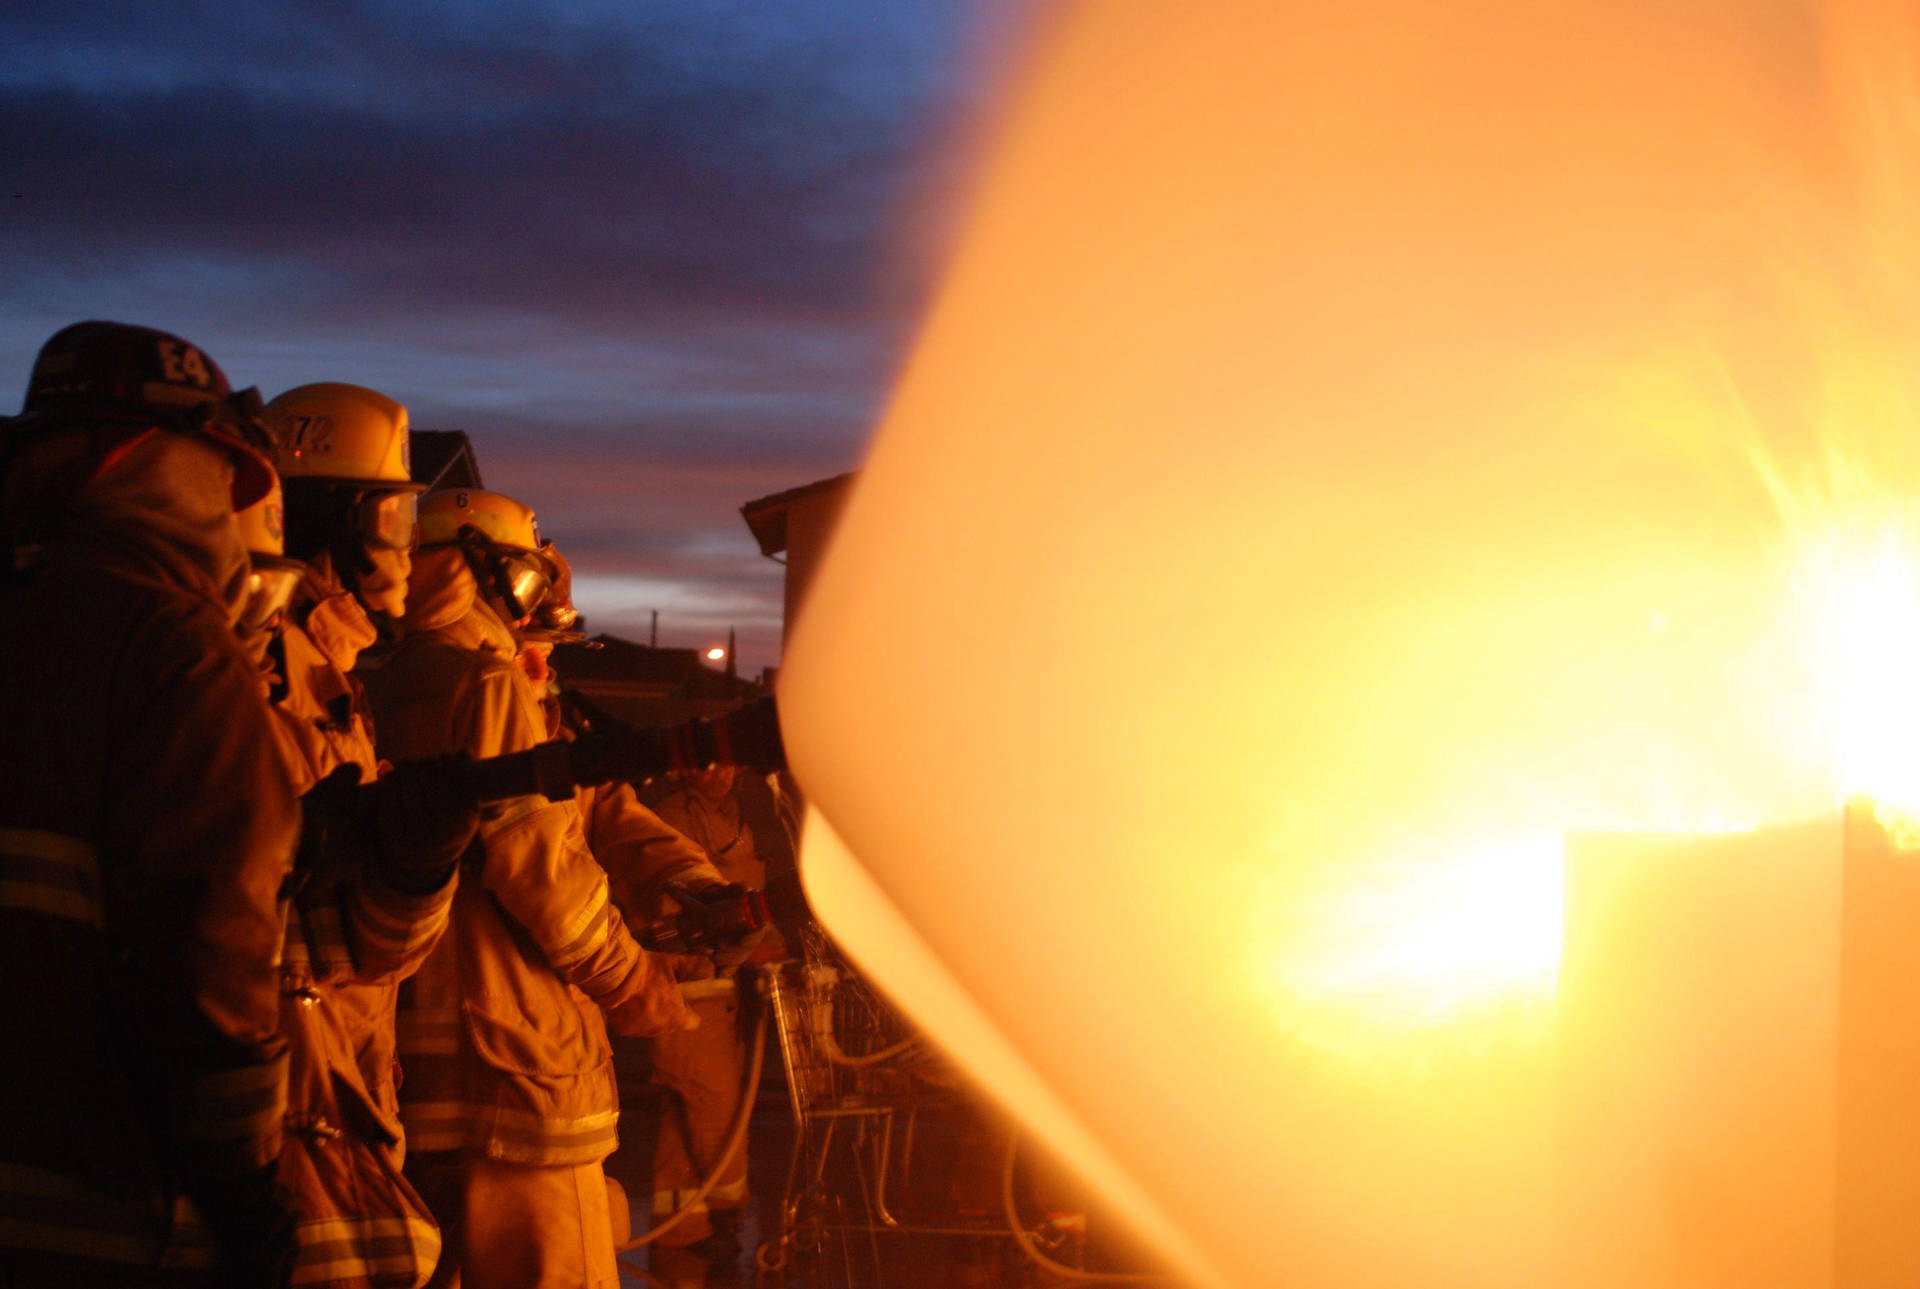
145 830
372 890
704 1068
509 1097
641 854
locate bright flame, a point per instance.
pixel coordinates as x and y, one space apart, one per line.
1466 941
1858 596
1327 480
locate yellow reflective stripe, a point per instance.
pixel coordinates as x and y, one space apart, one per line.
48 1211
398 923
436 1125
369 1248
522 1137
734 1191
232 1104
526 1124
666 1202
50 873
427 1033
714 987
592 934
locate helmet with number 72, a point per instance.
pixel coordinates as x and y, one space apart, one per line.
343 454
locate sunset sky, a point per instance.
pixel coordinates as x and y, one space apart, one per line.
658 259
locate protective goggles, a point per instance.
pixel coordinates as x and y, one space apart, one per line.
386 519
269 588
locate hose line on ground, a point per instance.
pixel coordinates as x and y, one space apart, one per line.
736 1141
1037 1255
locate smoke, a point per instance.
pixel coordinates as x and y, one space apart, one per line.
1353 448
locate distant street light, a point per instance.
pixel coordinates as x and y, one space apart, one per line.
716 653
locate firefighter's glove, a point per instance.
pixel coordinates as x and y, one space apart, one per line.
252 1219
720 921
652 1004
422 816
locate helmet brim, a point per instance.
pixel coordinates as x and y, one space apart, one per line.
253 472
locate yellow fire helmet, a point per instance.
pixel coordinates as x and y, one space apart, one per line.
263 525
502 541
497 517
342 434
271 585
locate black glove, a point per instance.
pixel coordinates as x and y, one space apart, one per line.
720 919
251 1219
422 816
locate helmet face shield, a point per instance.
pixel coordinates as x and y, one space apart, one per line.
522 579
386 519
269 587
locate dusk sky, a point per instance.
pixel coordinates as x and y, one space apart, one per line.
657 258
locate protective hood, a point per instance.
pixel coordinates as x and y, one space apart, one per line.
442 592
331 615
168 504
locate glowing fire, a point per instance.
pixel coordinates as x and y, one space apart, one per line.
1858 585
1464 941
1325 481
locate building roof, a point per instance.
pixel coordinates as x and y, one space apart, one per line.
608 660
444 459
767 517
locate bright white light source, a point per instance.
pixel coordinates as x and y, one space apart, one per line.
1322 404
716 654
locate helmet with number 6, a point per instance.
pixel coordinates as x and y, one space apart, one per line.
502 541
496 516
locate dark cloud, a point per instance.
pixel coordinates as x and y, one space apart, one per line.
657 258
611 165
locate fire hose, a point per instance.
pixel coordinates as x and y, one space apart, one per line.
609 750
1037 1255
736 1142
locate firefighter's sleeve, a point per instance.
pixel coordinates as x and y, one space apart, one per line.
203 830
537 865
390 931
639 850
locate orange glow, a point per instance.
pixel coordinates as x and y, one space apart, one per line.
1355 448
716 654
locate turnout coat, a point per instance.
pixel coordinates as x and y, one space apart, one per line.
145 834
351 938
504 1049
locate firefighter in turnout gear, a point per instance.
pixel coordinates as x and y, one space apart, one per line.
509 1100
145 830
642 856
373 884
705 1068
